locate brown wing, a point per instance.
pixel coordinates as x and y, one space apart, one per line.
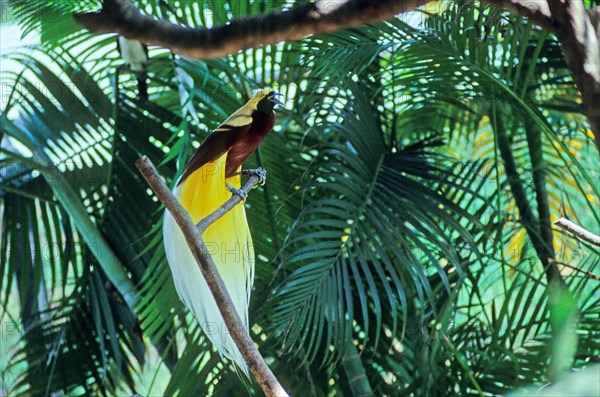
214 146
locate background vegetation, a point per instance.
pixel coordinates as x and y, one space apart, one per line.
403 238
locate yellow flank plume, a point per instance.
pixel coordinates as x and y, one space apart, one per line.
204 191
228 241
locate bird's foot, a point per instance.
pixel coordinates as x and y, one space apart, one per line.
260 173
242 193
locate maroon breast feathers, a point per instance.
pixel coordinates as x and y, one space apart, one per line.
243 147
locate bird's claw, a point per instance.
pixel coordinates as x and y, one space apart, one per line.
260 173
242 193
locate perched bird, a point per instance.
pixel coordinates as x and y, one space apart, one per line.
204 186
135 55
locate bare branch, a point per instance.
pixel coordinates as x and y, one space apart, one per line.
576 28
579 35
537 11
519 193
252 356
578 270
578 231
235 199
122 17
321 16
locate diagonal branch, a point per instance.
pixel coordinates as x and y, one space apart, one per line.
252 356
235 199
536 155
578 231
528 218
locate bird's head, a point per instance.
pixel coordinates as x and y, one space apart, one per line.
266 100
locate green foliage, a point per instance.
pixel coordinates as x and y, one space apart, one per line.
391 255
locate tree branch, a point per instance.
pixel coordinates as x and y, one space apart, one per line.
528 218
252 356
122 17
576 27
578 231
536 154
321 16
536 11
578 270
235 199
578 33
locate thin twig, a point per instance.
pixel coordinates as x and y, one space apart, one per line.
578 231
235 199
252 356
578 270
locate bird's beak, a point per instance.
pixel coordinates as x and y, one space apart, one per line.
275 100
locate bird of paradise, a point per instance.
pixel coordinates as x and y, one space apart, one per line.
208 180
